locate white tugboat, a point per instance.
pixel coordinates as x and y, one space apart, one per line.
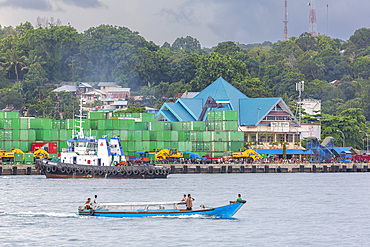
87 157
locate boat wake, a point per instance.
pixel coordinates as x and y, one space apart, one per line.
39 214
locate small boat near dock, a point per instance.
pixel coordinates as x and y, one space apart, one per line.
158 209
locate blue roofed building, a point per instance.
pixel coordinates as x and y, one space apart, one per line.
268 120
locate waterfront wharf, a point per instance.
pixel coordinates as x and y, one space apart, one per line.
268 168
225 168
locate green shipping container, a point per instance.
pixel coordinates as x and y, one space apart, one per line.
139 146
181 146
63 124
17 144
174 145
210 116
130 124
147 117
55 124
130 135
188 146
16 134
36 123
11 114
102 124
123 135
167 135
146 135
124 145
26 146
235 136
230 115
235 146
210 126
24 123
167 145
176 126
230 125
115 133
8 145
153 145
8 135
160 135
219 146
39 135
141 126
207 136
174 136
207 146
200 136
131 146
94 124
96 115
6 123
23 135
146 145
47 124
16 124
138 135
219 136
198 125
193 136
160 144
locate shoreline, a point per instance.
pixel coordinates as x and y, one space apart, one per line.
25 169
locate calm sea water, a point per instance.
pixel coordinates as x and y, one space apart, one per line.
282 210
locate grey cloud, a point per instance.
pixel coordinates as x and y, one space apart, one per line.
43 5
85 3
184 14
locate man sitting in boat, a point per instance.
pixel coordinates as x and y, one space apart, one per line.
87 204
189 202
239 198
184 198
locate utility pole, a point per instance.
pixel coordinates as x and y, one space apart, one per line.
367 141
299 86
344 139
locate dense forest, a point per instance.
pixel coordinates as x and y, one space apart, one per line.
35 59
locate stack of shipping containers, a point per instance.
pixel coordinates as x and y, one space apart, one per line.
137 132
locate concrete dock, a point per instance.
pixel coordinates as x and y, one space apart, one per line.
268 168
6 170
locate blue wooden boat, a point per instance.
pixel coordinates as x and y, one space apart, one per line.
158 209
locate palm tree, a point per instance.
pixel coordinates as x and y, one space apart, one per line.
32 59
13 59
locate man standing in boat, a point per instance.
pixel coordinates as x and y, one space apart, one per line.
189 202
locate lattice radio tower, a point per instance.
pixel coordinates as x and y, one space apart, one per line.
286 21
312 19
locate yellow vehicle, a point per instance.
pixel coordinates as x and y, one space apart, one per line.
249 153
9 156
40 153
168 154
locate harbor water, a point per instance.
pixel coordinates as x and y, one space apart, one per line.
295 209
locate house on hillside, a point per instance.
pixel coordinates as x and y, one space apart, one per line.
104 86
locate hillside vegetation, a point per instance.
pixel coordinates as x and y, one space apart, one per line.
33 60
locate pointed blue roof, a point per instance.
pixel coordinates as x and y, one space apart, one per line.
221 90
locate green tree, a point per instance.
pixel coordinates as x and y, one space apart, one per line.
13 60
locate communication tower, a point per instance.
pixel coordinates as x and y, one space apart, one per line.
286 21
312 19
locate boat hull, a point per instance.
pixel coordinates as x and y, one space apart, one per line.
53 169
226 211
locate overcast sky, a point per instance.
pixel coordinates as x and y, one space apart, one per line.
210 21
